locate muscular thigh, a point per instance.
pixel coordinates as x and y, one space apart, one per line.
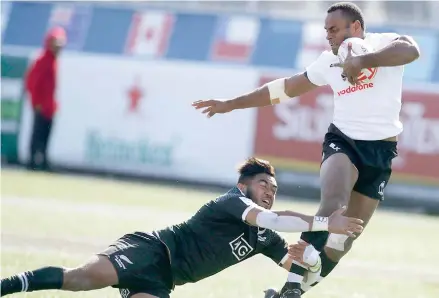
338 176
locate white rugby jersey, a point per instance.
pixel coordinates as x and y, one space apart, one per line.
369 111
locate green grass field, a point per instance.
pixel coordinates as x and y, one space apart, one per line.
61 220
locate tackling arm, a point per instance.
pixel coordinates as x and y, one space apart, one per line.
286 221
289 221
401 51
274 92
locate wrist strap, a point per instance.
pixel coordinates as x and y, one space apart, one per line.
320 223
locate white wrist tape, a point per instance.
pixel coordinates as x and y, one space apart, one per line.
320 223
277 91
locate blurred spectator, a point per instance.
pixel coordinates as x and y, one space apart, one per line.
41 86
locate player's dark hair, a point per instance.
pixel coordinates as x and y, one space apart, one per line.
254 166
351 11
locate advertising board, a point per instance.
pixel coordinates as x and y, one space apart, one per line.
290 134
131 116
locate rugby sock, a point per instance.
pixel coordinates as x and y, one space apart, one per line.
327 264
295 277
45 278
317 239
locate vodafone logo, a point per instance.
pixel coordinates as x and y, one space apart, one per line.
355 88
367 74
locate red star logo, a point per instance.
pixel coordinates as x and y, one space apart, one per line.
135 95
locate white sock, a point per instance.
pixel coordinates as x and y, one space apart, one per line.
293 277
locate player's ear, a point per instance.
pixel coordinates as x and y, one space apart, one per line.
357 26
242 187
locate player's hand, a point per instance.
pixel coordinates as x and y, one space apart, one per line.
340 224
212 107
352 67
296 251
305 254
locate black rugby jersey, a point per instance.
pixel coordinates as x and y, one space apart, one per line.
216 237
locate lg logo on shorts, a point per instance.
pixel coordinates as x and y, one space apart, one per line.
240 248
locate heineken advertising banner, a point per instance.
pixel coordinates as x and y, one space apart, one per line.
123 115
12 94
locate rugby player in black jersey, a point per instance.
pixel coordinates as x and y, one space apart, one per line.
230 229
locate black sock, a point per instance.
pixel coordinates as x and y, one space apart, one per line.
45 278
317 239
327 264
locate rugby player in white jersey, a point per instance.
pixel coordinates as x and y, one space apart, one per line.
361 140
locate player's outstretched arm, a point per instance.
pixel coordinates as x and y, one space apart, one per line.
289 221
271 93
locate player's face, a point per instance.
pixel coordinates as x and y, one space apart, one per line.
338 28
262 190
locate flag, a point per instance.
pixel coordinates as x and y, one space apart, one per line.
313 44
149 33
75 20
235 38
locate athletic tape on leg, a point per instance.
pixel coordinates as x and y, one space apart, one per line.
337 241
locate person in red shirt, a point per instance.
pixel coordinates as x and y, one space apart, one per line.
41 86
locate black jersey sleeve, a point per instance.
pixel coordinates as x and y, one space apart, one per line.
236 206
277 247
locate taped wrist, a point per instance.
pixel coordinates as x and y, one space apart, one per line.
320 223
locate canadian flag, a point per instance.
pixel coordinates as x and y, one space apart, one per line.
149 33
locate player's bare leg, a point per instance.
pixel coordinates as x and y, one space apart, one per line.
96 273
359 206
337 247
338 176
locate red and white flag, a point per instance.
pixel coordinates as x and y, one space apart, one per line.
235 38
149 33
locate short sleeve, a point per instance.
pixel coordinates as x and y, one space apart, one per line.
316 70
237 206
277 249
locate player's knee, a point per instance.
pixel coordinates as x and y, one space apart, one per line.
331 201
78 279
